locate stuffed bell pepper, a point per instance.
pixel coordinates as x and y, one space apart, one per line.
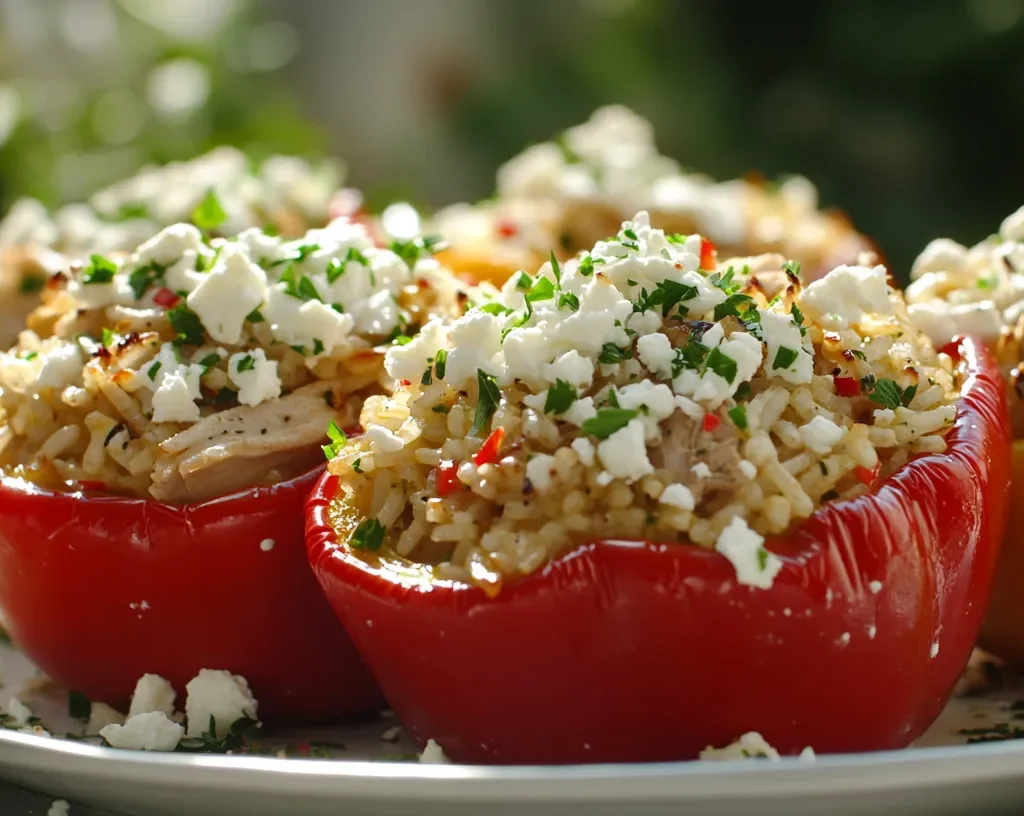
161 424
980 291
218 188
640 503
571 192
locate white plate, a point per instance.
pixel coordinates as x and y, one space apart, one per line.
944 776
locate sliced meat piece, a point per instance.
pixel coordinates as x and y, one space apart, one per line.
234 449
685 444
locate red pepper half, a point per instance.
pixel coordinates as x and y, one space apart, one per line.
633 651
99 590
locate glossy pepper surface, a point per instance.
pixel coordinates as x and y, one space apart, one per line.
637 650
98 590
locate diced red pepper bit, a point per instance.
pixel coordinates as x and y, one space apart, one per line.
166 298
506 228
404 383
352 430
847 386
446 478
302 748
488 453
711 421
707 254
868 475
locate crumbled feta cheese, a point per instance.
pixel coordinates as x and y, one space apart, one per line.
228 294
433 755
181 276
755 566
580 411
218 695
585 450
475 340
101 295
173 401
539 471
847 295
624 453
884 416
571 367
100 716
60 366
152 693
1012 228
701 470
941 255
19 712
267 544
943 321
807 754
655 401
168 245
821 434
656 352
795 364
750 746
298 322
677 495
146 732
60 807
255 376
383 440
408 362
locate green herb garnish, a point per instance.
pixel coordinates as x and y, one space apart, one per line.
738 414
187 325
369 535
209 214
487 402
722 364
560 398
784 358
607 421
99 270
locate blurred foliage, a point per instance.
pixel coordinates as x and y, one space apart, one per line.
90 90
908 115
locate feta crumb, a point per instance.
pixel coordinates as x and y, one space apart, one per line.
173 401
677 495
255 376
821 434
433 755
19 712
781 332
392 734
701 470
153 731
847 295
60 367
228 294
60 807
152 693
755 566
808 754
750 746
572 367
219 695
875 587
383 440
100 716
267 544
656 352
934 652
624 453
539 470
585 450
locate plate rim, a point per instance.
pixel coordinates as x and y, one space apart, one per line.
875 772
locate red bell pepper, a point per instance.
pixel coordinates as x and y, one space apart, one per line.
98 590
634 651
847 386
708 254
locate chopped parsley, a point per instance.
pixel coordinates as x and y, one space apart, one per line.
209 214
307 290
31 355
784 358
209 361
143 277
411 251
106 337
99 270
440 361
187 325
335 269
722 364
731 306
692 355
356 465
738 414
676 238
798 316
487 402
255 316
542 289
792 270
666 294
889 395
989 282
318 344
226 396
560 398
607 421
569 300
723 281
762 559
611 353
338 440
586 267
555 268
79 706
494 308
742 392
30 284
153 370
247 363
440 408
369 535
860 355
427 377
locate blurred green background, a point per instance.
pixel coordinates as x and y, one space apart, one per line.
908 115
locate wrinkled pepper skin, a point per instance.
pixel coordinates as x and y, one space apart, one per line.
624 651
98 590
